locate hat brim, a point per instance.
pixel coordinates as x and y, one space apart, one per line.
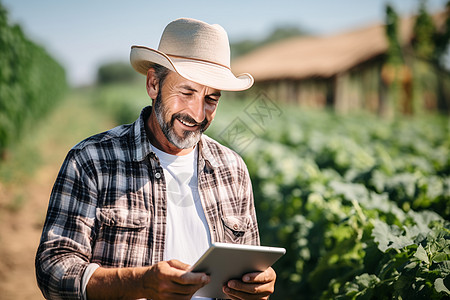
202 72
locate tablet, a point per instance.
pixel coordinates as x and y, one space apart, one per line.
231 261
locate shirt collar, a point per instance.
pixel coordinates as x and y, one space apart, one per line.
205 153
143 147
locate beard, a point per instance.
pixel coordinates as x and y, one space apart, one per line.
189 138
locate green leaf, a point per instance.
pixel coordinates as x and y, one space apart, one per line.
367 280
444 267
389 236
422 254
362 287
411 265
440 286
440 257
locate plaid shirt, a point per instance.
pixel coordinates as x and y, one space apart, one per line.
108 206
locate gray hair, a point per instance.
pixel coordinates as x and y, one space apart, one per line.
161 73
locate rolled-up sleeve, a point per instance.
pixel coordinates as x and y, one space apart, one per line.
65 248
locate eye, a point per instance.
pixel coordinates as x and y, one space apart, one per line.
212 100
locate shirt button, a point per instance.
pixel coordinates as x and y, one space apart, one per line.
235 226
158 175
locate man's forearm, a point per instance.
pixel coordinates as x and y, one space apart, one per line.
116 283
163 280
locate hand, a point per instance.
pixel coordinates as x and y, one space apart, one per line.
259 285
164 280
171 280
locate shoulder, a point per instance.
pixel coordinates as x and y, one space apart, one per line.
111 136
94 155
103 147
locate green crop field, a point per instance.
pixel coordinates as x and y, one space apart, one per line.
360 203
31 82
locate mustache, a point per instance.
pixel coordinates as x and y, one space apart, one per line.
187 118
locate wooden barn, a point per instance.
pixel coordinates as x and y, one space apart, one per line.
344 71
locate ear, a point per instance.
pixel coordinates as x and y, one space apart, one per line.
152 84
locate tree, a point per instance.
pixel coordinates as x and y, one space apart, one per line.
114 72
279 33
430 45
394 72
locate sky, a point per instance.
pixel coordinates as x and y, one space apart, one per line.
84 34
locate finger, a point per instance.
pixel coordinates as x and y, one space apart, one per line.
184 289
268 275
178 264
167 289
193 278
177 274
264 289
183 277
181 288
228 292
235 294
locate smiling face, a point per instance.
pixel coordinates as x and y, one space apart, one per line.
183 110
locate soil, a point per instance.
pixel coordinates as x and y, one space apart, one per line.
20 231
23 203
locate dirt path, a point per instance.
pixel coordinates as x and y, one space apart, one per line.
23 204
20 232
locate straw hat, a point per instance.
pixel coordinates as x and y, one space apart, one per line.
198 51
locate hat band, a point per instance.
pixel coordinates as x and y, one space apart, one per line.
198 59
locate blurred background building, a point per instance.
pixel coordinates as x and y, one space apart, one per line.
384 68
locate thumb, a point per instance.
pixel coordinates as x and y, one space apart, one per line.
174 263
188 277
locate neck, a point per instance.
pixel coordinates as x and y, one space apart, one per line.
159 140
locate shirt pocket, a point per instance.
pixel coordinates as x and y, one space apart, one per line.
123 218
122 236
235 228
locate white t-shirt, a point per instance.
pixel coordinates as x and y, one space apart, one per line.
187 233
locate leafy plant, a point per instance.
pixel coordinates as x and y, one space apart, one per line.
354 200
360 203
31 82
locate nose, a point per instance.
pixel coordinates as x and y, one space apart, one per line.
197 108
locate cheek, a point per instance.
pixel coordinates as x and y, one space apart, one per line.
171 106
210 113
172 101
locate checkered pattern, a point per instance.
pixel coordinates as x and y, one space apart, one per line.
108 206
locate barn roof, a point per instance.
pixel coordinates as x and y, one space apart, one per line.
325 56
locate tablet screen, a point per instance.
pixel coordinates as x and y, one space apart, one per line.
231 261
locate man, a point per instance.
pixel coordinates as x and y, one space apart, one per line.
134 207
